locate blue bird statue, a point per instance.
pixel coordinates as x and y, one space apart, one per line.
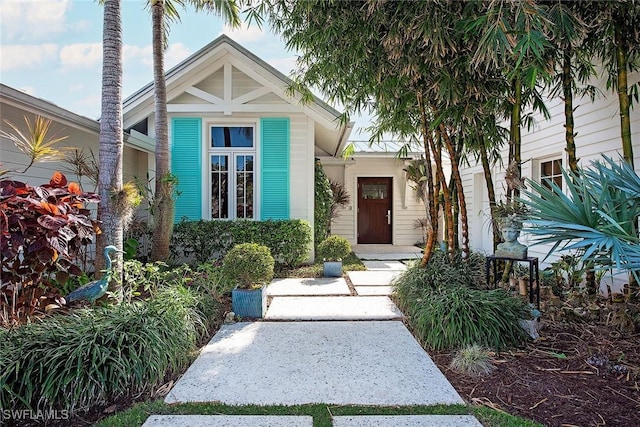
94 290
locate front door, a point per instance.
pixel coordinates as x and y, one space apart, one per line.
374 210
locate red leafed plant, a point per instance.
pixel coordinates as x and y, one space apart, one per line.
43 229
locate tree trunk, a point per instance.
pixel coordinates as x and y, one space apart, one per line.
622 56
491 192
515 139
567 89
455 171
163 209
430 205
448 210
111 139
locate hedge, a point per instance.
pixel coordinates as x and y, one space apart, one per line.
203 240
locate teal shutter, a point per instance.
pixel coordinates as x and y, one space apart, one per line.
274 188
186 164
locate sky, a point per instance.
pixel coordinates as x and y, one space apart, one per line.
52 49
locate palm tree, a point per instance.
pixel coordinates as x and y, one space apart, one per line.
111 139
163 12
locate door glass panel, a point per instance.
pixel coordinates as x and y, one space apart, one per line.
244 186
219 187
374 191
231 137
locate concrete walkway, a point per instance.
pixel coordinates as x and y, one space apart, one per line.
321 342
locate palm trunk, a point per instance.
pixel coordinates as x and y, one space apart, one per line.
488 179
430 205
622 56
111 139
567 89
455 171
163 198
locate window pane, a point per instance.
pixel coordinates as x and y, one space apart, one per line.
244 186
374 191
219 187
231 137
551 171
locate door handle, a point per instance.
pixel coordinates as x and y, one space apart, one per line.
388 215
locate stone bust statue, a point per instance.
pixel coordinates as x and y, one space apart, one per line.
511 248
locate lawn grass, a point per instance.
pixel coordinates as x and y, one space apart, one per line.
322 414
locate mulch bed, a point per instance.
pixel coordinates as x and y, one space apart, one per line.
576 374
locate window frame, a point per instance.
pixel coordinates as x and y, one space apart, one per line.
551 159
232 154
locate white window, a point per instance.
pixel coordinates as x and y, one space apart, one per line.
232 157
551 171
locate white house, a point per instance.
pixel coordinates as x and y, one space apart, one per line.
244 147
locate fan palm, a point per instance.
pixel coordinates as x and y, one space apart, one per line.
598 216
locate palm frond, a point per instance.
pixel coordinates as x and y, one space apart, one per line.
597 215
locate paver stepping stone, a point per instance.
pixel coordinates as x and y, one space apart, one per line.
385 265
374 290
390 256
291 363
317 286
228 421
372 278
333 308
406 421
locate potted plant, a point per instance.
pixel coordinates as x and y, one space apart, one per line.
249 267
333 250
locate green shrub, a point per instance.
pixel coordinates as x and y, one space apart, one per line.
440 270
334 248
248 265
90 356
203 241
322 204
452 317
447 311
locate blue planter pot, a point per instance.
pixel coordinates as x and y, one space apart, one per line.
248 302
332 269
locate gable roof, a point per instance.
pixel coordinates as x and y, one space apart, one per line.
139 105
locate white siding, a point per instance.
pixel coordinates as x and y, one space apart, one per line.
134 161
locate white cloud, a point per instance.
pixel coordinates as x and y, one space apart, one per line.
133 53
174 54
245 34
25 57
29 20
81 55
89 105
284 65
